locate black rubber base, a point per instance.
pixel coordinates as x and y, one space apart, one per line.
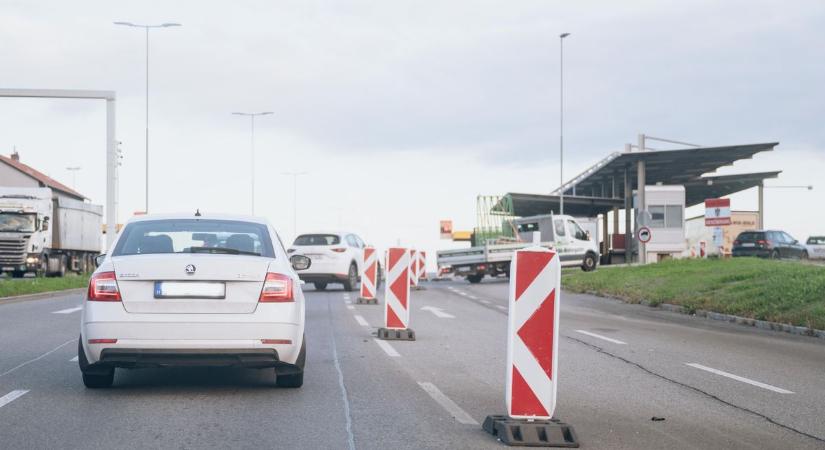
367 301
396 335
419 288
526 433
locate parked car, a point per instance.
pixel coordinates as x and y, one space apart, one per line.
206 291
816 247
768 244
336 257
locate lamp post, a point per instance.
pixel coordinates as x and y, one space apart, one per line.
295 176
252 145
73 170
561 120
147 28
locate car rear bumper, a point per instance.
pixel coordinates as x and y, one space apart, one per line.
133 358
760 252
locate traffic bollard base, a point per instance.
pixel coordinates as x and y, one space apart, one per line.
526 433
391 334
367 301
419 288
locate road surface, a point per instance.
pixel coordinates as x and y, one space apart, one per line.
716 385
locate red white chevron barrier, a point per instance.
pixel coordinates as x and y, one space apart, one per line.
397 296
413 268
532 334
422 265
369 279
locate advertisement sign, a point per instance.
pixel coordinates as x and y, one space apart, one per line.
717 212
446 229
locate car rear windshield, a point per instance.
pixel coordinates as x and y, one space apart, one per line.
816 240
317 239
195 236
750 236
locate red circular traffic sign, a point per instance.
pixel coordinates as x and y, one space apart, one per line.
644 234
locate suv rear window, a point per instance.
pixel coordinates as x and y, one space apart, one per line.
816 240
750 236
318 239
195 236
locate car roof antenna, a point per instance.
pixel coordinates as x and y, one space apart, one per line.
198 212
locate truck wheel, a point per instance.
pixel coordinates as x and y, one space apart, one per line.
43 270
589 263
62 271
474 278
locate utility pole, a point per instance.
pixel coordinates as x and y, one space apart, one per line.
561 120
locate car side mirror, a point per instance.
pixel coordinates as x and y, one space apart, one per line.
795 242
99 259
300 262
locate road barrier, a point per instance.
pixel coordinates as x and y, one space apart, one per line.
369 279
422 265
414 268
532 354
397 296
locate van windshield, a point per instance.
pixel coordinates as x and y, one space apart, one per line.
195 236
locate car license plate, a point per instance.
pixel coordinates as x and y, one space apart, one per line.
190 289
748 244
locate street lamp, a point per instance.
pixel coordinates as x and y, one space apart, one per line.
73 170
252 140
295 176
561 120
147 28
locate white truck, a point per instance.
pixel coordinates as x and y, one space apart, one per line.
46 234
576 248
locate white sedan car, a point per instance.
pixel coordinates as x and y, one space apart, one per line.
816 247
336 257
180 290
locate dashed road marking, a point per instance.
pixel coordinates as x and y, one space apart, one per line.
486 302
504 308
68 310
472 297
346 296
387 348
738 378
599 336
438 312
350 307
348 302
12 396
361 321
446 403
73 359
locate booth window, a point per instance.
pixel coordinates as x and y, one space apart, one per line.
665 216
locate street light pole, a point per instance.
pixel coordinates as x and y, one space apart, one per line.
73 170
252 145
295 176
561 120
146 28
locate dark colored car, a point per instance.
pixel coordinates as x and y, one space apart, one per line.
768 244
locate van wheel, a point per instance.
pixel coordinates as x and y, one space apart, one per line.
352 278
320 285
589 263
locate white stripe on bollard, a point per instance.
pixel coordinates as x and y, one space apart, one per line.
397 289
370 276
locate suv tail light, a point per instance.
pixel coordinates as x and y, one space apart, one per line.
339 250
277 289
103 288
762 242
736 243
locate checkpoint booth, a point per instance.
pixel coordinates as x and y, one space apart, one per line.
664 220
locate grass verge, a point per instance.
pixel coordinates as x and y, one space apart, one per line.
779 291
11 287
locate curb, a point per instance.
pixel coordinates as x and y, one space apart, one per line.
730 318
39 295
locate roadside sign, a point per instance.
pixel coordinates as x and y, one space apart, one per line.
717 212
446 229
644 235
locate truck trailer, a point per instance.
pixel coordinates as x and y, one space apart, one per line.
47 234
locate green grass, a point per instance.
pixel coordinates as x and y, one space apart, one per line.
10 287
779 291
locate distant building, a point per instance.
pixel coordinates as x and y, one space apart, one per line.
14 173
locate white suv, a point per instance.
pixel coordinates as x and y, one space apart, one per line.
336 257
180 290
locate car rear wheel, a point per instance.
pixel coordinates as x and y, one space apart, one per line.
352 278
320 285
804 255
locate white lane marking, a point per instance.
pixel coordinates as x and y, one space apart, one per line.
501 307
599 336
68 310
73 359
738 378
486 302
39 357
438 312
361 321
473 297
463 294
348 302
12 396
346 296
387 348
446 403
350 307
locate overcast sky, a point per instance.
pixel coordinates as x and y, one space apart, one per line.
402 112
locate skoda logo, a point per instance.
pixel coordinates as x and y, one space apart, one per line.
190 269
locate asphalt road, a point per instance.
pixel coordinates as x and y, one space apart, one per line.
716 385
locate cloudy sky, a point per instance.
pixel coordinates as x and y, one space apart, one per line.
401 112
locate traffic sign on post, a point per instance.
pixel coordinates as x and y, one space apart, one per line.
369 280
644 235
532 354
397 296
717 212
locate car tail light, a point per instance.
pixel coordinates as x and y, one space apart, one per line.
277 288
736 243
339 250
103 288
482 267
762 242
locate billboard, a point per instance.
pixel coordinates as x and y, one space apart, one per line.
446 229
